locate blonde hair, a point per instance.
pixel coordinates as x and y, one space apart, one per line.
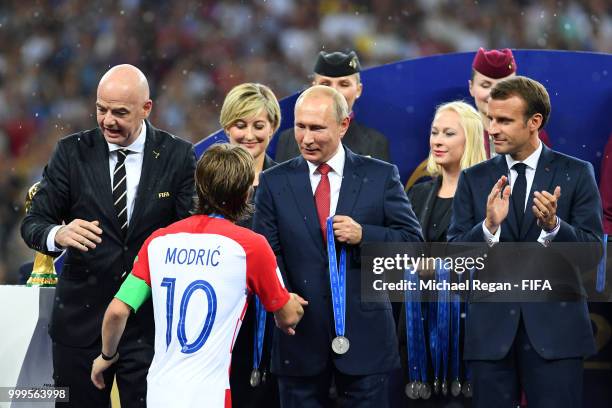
473 129
247 100
339 107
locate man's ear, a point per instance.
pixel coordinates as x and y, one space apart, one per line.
344 126
146 108
535 121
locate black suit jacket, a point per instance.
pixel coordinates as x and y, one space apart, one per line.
76 184
371 194
360 139
423 197
556 329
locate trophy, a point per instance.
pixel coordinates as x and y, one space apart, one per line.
43 272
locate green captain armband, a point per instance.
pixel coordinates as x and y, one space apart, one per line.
134 292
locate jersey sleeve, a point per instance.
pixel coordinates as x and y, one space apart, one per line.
263 275
137 287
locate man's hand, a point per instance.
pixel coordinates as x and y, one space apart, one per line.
498 204
288 316
79 234
545 208
99 366
346 230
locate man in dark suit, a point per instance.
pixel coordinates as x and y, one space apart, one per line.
538 346
103 193
292 204
341 72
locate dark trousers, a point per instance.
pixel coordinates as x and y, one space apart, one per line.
547 383
354 391
72 368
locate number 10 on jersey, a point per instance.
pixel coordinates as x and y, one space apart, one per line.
211 297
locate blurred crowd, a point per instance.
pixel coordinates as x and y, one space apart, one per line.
53 53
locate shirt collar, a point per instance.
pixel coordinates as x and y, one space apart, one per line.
531 161
137 145
336 162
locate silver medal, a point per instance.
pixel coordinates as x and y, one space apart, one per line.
255 378
340 345
444 388
467 390
412 390
436 386
425 391
456 388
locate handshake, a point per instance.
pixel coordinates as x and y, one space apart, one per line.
288 316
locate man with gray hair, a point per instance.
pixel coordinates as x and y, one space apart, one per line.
325 201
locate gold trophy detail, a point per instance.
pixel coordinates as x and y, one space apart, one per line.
43 272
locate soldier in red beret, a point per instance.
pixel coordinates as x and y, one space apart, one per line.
488 68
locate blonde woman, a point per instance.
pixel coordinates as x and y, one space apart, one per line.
455 142
250 116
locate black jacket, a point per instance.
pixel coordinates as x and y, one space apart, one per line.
76 184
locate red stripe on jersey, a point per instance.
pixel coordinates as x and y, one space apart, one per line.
228 399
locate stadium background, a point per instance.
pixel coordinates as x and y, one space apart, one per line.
52 54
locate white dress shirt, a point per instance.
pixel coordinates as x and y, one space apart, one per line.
532 163
335 177
133 168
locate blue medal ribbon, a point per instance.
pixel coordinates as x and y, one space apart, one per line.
215 215
420 346
432 323
415 333
411 334
455 330
600 282
443 275
337 279
260 330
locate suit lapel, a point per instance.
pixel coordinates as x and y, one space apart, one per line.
101 173
148 175
542 181
299 182
429 202
351 184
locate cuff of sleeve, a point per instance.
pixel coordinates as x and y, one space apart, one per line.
134 292
279 304
547 237
491 239
51 247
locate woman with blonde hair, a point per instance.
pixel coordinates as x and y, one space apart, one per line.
455 142
250 116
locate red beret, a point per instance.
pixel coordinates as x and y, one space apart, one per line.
495 63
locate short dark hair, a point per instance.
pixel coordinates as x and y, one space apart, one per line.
224 177
531 91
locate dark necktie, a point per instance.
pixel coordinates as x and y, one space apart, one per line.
322 197
120 190
519 192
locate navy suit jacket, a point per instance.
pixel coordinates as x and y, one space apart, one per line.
556 329
371 193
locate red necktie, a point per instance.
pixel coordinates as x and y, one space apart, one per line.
322 197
